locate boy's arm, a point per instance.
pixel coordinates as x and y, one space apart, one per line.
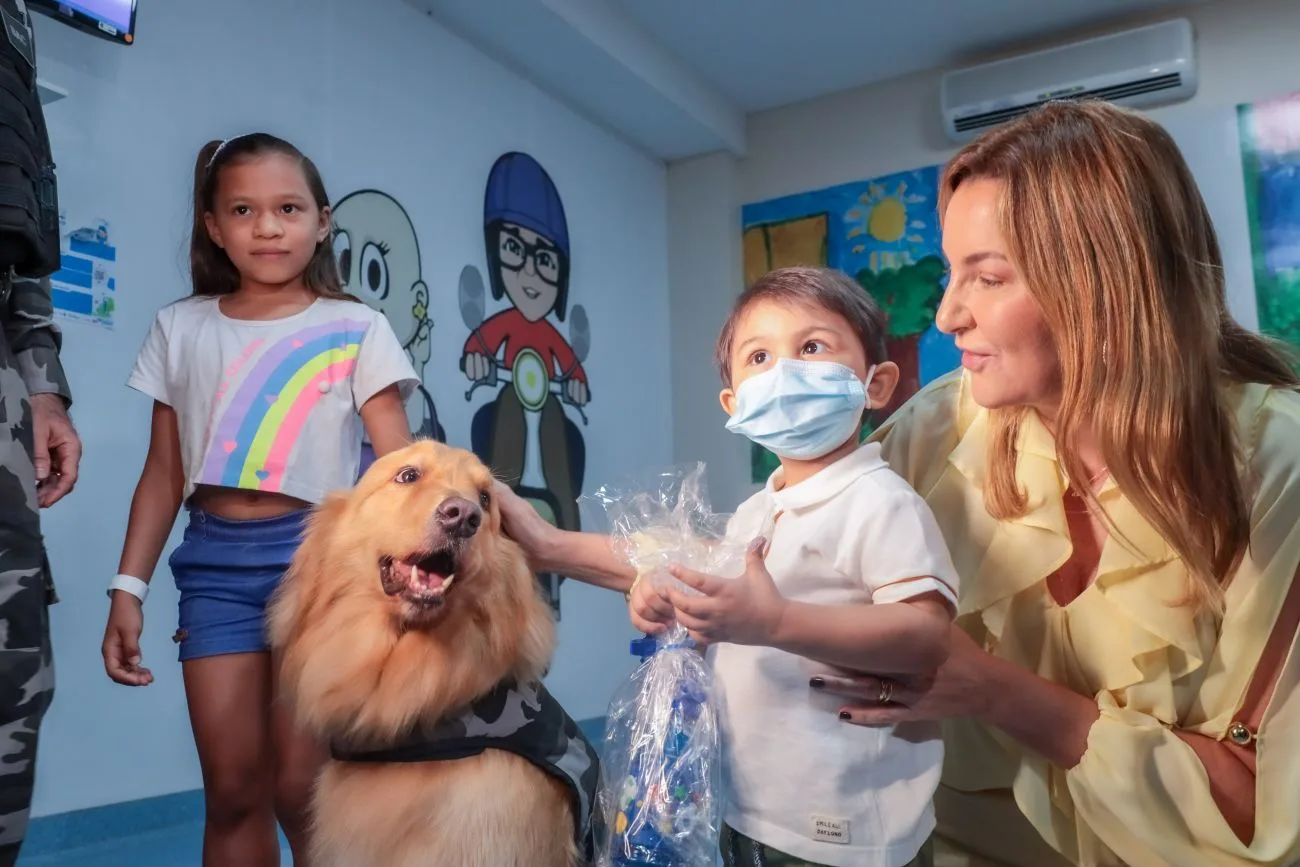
897 551
895 637
905 637
893 545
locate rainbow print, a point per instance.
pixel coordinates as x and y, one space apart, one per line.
251 443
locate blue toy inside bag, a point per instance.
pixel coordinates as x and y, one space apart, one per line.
658 798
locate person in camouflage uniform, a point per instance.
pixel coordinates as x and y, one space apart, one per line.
39 454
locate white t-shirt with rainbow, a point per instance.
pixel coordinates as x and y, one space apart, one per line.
270 405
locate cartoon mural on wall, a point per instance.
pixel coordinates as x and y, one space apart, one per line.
883 232
525 433
378 256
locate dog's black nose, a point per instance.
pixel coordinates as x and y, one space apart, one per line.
459 517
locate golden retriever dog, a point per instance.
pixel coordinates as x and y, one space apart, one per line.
413 639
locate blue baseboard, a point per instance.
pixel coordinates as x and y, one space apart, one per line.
594 729
77 829
61 832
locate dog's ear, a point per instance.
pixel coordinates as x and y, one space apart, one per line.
297 590
534 624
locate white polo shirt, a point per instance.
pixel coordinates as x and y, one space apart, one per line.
797 778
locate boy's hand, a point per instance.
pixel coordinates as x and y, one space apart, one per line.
651 610
744 610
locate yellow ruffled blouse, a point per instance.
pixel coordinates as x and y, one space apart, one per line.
1139 796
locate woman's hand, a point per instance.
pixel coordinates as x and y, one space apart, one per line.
960 687
524 524
744 610
121 648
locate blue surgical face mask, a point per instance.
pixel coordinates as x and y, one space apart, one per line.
800 410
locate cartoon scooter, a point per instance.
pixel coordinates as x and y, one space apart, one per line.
525 434
515 446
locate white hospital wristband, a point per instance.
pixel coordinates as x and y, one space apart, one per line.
127 584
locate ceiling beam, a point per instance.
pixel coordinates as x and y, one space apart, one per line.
606 26
594 58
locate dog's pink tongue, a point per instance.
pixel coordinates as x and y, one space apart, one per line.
427 580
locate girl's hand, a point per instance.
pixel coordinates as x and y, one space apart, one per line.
744 610
523 524
651 609
960 687
121 647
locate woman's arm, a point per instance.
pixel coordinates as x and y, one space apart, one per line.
1046 717
385 421
1138 784
1055 722
157 498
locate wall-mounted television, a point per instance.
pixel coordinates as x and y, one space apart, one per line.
113 20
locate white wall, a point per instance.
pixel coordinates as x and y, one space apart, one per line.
1246 52
703 261
380 97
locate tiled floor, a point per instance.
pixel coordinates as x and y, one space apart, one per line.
180 846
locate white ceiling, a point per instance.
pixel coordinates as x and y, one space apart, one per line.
765 53
677 77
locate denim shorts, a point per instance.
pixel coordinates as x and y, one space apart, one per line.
226 572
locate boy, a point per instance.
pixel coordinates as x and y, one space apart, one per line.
802 357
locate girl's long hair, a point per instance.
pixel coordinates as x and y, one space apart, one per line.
1116 245
211 270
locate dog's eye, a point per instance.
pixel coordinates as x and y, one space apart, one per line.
407 476
485 498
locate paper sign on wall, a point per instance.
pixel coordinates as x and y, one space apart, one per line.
84 289
85 286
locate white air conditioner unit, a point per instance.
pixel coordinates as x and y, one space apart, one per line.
1135 68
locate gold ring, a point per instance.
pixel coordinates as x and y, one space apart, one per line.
886 691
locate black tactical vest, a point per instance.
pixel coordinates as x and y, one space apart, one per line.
29 204
522 719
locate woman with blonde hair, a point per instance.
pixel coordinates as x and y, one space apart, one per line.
1116 470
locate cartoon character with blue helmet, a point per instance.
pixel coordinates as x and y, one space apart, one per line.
525 434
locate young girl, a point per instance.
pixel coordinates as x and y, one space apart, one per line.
257 381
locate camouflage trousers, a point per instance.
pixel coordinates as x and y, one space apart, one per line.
26 664
740 851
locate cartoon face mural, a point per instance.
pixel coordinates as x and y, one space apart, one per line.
525 433
529 266
378 256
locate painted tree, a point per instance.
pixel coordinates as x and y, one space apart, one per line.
910 297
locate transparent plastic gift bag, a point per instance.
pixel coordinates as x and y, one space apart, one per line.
659 799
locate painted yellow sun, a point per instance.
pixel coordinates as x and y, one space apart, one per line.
887 220
881 218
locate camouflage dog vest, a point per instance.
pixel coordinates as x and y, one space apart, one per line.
522 719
